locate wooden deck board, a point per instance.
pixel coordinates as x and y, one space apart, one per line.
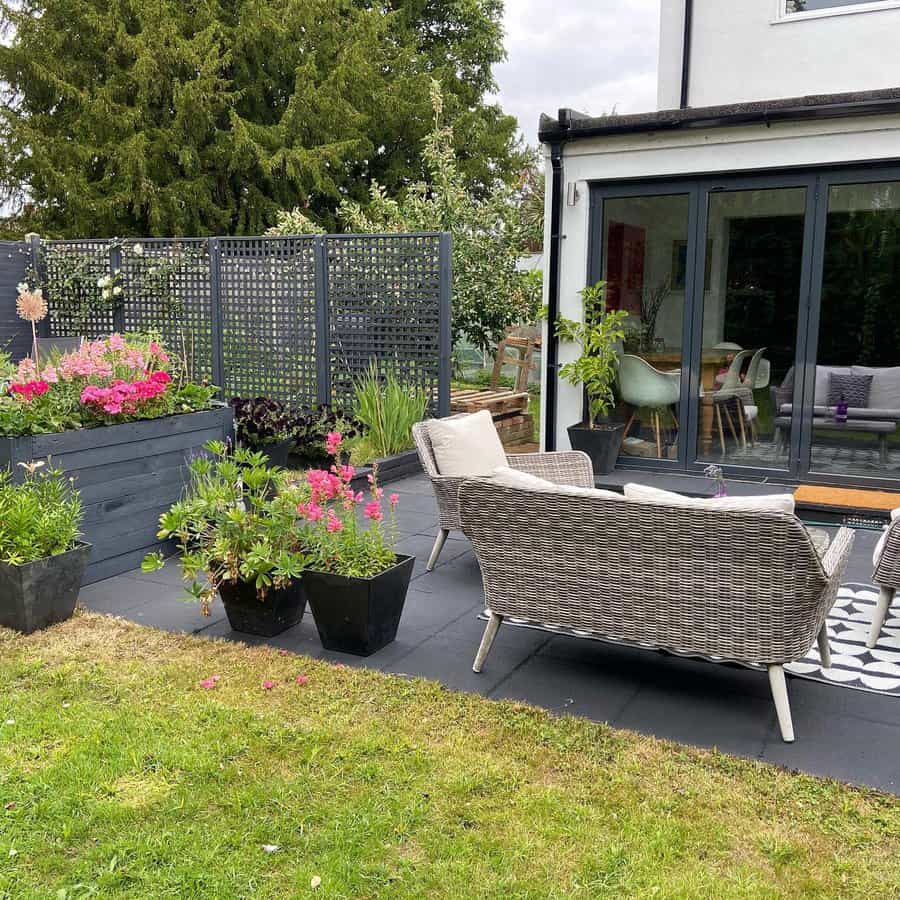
846 498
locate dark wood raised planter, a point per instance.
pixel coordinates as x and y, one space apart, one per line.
358 615
43 592
127 476
390 468
277 611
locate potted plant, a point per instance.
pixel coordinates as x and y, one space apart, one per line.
266 425
236 530
356 582
313 428
599 336
42 561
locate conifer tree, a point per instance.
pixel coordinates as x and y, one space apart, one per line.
179 117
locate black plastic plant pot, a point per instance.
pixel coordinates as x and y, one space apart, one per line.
601 443
359 615
278 453
280 609
43 592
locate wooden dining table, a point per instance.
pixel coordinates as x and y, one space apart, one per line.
711 362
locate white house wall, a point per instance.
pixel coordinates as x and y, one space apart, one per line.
743 50
686 154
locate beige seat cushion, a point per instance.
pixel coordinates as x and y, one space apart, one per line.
466 446
762 503
515 478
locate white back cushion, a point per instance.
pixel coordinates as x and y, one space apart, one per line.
762 503
466 446
515 478
885 391
879 547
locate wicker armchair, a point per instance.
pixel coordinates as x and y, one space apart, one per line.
660 576
887 577
562 467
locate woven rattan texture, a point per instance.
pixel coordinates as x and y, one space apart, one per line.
736 585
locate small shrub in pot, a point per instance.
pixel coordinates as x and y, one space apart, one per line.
236 531
42 562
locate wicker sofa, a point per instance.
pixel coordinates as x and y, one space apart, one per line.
741 586
561 467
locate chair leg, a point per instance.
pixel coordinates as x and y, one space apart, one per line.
721 430
782 707
628 426
730 421
742 416
490 632
824 649
656 429
881 611
436 549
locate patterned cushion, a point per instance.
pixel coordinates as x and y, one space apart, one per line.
853 388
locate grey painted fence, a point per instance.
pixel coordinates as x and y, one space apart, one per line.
295 318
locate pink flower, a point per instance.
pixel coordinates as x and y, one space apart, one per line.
301 680
395 499
334 523
50 375
333 443
209 683
158 352
377 492
268 685
347 473
283 652
311 511
373 511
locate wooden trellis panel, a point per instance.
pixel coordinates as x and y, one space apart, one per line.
384 306
293 318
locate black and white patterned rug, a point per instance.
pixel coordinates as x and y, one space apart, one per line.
853 665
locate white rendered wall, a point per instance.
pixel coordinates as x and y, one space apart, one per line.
743 50
686 154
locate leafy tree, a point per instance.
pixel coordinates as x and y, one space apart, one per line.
489 236
171 117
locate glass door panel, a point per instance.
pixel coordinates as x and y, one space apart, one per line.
645 254
752 283
858 351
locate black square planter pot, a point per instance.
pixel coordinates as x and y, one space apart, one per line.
358 615
279 610
42 592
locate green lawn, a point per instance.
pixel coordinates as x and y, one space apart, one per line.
120 776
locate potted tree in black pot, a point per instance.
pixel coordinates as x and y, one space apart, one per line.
356 581
236 531
42 562
600 336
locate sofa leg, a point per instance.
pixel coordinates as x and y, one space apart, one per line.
436 549
824 649
779 694
881 611
490 632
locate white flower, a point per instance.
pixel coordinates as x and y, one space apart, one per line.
103 281
117 290
138 249
38 292
22 287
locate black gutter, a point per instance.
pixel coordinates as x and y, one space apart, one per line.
552 355
686 51
714 117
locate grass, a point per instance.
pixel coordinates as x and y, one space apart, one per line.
121 777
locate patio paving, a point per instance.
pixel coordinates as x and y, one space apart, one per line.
845 734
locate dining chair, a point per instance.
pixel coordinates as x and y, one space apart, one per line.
732 391
751 381
643 386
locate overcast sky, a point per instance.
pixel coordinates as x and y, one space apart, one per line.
590 55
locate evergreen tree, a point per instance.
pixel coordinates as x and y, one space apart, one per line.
176 117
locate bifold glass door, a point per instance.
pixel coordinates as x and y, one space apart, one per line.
763 329
748 314
645 244
856 351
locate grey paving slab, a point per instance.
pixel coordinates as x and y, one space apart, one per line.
850 735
